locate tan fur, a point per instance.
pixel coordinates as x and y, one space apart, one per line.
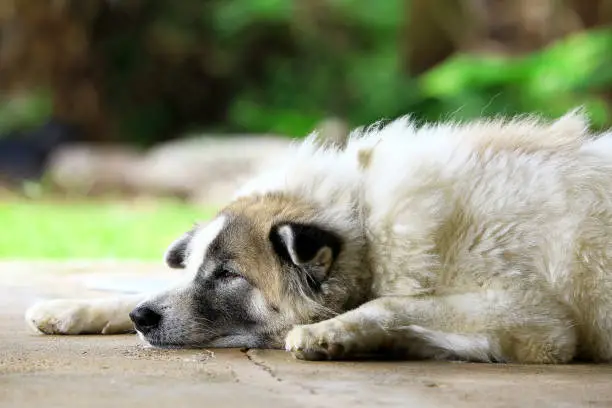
251 242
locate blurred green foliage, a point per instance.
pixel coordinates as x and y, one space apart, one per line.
273 67
256 66
24 111
351 69
572 72
73 229
282 66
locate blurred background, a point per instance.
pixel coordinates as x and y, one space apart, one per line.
121 121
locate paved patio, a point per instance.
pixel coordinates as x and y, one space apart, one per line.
107 371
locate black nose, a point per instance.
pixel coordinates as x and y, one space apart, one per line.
145 319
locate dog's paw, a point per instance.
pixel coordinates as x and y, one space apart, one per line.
62 316
327 340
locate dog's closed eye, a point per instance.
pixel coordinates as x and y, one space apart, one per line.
224 272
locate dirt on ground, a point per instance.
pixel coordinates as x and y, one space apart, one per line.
117 371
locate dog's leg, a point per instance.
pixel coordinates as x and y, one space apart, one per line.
474 327
83 316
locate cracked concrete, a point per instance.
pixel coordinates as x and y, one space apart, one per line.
103 371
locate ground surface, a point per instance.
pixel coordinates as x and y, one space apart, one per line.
99 371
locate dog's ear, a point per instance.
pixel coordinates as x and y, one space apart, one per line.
177 251
309 247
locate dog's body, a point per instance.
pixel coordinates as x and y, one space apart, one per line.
488 241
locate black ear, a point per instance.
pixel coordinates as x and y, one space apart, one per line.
309 247
176 252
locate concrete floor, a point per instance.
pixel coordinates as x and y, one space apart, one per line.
116 371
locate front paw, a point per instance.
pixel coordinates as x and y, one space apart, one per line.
61 316
327 340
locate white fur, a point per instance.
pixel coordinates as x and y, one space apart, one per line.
198 246
80 316
523 208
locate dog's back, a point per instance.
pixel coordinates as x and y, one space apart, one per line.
518 210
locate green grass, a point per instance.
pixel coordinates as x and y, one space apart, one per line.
61 230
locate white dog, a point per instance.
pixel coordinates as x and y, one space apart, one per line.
483 241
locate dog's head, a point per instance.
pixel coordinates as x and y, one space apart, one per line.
262 265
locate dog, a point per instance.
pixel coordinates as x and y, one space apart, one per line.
484 241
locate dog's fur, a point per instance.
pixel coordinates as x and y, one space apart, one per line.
483 241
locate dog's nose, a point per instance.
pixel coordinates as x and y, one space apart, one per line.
145 319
